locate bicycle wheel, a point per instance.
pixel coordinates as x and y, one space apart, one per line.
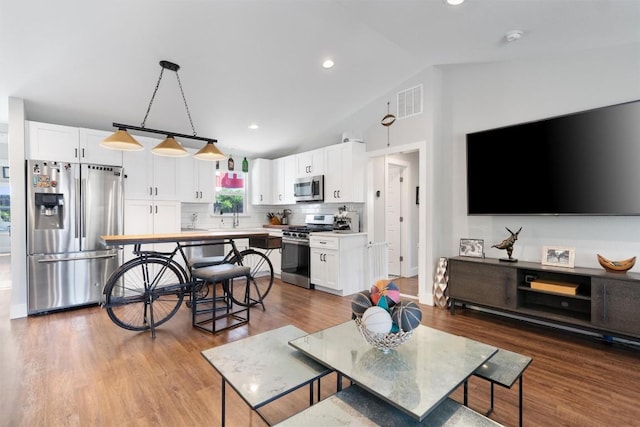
142 285
261 277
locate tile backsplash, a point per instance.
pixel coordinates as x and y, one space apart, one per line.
200 215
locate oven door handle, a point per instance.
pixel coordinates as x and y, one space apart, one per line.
296 242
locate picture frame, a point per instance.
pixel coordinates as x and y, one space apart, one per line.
472 248
558 256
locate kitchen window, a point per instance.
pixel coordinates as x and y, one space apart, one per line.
230 193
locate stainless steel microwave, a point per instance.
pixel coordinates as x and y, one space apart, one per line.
309 189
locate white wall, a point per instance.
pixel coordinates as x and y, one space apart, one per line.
18 210
484 96
422 133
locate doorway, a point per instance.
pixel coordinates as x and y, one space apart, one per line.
395 214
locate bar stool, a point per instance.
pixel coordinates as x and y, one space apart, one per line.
206 261
200 287
206 313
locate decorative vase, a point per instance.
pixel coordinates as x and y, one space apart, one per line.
440 284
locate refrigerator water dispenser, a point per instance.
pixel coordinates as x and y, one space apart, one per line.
49 212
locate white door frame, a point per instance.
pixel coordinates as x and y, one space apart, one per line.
425 251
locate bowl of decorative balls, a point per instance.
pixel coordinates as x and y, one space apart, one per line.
384 321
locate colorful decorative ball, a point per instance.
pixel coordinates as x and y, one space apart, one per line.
407 315
392 292
376 290
377 320
384 303
385 289
360 302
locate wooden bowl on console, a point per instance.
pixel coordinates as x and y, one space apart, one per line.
616 266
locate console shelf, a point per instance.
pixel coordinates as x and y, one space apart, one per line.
577 296
603 302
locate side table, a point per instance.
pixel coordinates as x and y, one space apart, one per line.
267 361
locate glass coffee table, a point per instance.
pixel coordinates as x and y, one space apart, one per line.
415 377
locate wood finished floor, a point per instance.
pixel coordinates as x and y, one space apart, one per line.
76 368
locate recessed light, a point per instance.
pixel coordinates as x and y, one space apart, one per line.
253 126
327 63
455 2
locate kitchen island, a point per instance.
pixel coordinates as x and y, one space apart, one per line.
148 290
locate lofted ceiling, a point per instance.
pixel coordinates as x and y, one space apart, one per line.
90 63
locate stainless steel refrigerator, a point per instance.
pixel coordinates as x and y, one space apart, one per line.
69 206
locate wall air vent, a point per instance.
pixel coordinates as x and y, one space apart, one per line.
410 102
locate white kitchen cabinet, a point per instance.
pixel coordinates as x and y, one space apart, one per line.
52 142
276 260
92 152
325 268
46 141
310 163
145 216
338 262
261 180
196 179
344 176
149 176
284 169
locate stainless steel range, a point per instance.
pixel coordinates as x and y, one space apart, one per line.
296 257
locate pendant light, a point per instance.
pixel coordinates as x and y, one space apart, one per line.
210 152
170 147
122 140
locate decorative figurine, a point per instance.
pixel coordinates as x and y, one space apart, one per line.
508 245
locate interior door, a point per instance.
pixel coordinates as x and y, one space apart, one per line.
393 224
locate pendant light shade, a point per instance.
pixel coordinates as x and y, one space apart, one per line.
121 140
170 148
209 152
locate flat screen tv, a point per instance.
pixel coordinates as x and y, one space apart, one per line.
586 163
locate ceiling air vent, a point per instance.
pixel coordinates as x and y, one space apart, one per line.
410 102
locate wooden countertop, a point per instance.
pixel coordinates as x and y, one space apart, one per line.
185 236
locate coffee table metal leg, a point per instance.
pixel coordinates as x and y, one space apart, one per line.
520 399
223 400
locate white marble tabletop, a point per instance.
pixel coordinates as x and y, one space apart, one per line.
264 367
415 377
